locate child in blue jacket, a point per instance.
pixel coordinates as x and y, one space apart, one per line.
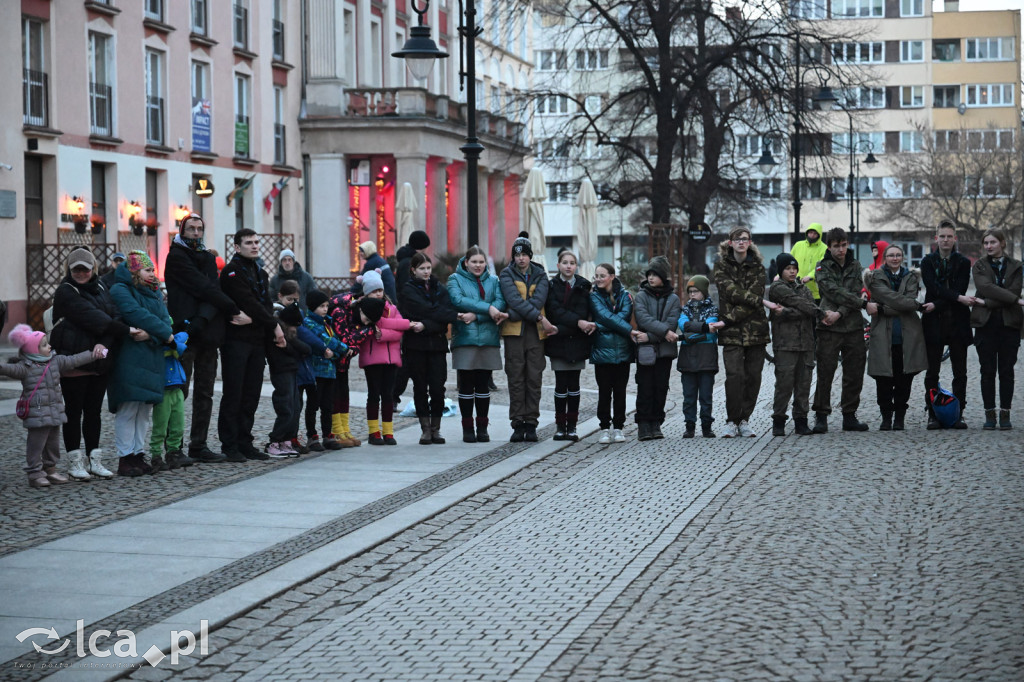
324 369
698 354
169 415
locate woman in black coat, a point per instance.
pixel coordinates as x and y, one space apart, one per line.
424 299
83 316
568 308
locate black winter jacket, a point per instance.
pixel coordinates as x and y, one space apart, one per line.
84 315
402 274
248 285
194 294
433 308
565 311
943 283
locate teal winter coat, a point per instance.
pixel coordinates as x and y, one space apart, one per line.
324 368
464 291
138 374
612 343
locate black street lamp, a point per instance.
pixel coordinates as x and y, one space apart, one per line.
420 51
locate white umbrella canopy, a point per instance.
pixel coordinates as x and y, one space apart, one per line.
405 210
586 228
534 195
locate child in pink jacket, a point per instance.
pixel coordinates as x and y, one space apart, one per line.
380 355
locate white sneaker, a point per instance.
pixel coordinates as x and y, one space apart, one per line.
76 466
276 451
606 437
95 465
745 430
617 436
730 430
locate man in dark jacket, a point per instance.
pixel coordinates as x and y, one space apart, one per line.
289 269
740 276
197 305
243 354
374 261
840 332
946 275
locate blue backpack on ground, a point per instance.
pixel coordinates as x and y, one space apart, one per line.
945 406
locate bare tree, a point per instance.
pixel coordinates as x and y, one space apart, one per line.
688 80
971 176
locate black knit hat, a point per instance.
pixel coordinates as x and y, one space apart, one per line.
372 307
315 299
419 240
291 314
660 267
784 260
522 245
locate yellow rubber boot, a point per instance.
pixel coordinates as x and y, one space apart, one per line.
373 426
389 433
346 430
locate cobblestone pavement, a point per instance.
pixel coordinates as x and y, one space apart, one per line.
29 517
874 556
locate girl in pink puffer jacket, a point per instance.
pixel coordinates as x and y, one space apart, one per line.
380 355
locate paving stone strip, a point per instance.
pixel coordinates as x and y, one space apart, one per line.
516 591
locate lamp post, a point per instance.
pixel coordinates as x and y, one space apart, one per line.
420 51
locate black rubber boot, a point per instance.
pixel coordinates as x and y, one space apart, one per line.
898 419
851 423
886 421
802 429
691 429
820 422
779 426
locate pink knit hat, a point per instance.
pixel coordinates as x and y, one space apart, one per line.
27 340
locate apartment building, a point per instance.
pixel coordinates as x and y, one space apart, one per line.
134 113
945 71
369 127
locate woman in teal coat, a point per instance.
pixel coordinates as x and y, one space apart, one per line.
612 350
476 296
137 381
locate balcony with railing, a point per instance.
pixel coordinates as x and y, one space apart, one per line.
155 120
101 109
280 156
418 103
36 94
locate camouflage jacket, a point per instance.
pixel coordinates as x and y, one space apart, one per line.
740 298
840 287
793 328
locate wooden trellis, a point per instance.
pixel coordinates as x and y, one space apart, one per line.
45 267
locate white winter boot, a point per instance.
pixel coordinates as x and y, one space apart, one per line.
76 466
96 467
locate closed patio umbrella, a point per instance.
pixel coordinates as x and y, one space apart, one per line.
534 195
405 210
586 228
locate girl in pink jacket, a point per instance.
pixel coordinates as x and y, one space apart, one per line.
380 355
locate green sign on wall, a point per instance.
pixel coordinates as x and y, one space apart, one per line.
242 138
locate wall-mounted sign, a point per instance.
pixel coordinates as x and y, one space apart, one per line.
700 233
242 139
74 217
201 117
8 203
203 187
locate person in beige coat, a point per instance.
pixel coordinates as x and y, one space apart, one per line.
896 351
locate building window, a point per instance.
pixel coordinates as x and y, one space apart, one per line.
859 53
755 145
349 30
239 207
946 50
911 50
990 95
989 140
553 148
552 104
864 98
808 9
559 192
278 32
911 8
154 97
989 49
151 195
947 140
279 131
592 104
863 142
852 9
35 83
101 93
241 116
911 96
760 189
551 60
911 141
591 60
99 191
279 212
154 9
33 199
813 188
946 96
376 66
240 31
199 20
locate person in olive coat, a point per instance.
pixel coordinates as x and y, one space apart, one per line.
423 299
896 350
568 308
612 351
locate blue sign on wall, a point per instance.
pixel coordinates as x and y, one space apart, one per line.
201 125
